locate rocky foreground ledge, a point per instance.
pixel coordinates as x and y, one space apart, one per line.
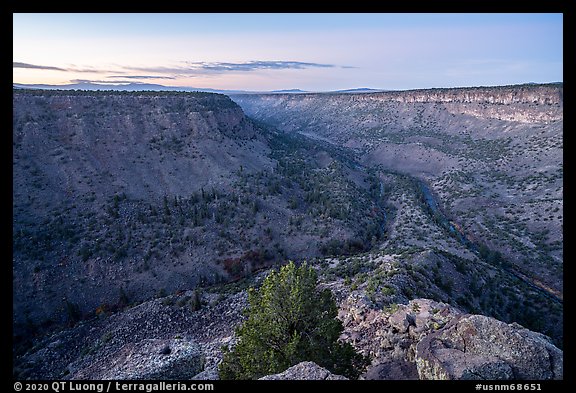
423 339
468 347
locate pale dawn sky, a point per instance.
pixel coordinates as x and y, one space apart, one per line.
313 52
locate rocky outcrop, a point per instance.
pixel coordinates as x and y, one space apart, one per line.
304 371
479 347
425 339
148 359
390 336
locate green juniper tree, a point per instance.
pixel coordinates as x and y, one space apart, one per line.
289 321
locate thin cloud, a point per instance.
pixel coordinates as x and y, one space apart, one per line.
16 64
189 69
131 74
201 67
90 70
165 70
259 65
105 82
142 76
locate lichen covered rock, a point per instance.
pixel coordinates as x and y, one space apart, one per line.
480 347
305 371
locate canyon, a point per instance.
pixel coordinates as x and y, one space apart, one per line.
152 212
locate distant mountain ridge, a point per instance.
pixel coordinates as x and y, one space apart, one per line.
359 90
137 86
290 91
90 86
123 87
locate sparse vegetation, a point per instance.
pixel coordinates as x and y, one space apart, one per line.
289 321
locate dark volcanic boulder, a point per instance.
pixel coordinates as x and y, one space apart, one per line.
479 347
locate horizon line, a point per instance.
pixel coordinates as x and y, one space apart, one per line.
110 87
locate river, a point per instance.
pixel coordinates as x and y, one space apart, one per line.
439 216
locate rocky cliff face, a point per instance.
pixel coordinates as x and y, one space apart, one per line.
502 95
526 104
145 146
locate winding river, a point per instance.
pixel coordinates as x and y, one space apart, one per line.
438 215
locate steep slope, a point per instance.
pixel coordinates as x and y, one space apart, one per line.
491 155
121 196
144 146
